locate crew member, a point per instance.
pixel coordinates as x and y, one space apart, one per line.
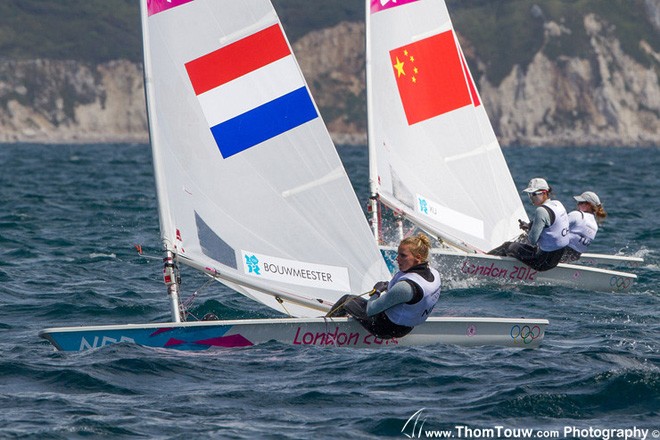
547 233
583 225
396 307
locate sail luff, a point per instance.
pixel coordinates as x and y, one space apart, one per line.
159 174
165 220
371 138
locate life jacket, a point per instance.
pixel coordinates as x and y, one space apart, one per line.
408 314
582 230
555 236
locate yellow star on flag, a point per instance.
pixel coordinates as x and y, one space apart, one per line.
399 68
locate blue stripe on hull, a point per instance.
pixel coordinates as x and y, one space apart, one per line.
181 338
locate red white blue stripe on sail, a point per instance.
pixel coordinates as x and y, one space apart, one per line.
251 91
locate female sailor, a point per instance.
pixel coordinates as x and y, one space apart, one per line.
547 234
583 225
394 308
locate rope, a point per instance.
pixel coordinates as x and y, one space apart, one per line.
336 307
281 301
186 304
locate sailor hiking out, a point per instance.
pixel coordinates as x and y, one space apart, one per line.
394 308
547 233
583 225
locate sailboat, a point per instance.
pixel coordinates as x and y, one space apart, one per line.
434 159
252 192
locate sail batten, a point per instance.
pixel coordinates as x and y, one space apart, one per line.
335 174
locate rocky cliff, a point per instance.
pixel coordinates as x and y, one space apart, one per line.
67 101
603 98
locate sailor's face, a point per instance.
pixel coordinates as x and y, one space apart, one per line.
585 207
405 259
538 197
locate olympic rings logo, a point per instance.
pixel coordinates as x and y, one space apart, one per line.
525 333
621 283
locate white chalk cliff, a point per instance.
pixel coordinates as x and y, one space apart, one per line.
608 99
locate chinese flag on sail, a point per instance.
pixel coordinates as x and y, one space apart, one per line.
430 77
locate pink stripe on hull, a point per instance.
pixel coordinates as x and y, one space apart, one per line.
226 341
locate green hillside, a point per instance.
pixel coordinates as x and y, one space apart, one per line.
89 30
509 32
102 30
302 16
502 32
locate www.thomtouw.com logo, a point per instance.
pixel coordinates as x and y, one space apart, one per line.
414 425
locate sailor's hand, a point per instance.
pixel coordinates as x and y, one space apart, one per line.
523 225
380 287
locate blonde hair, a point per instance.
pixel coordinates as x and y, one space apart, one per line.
599 213
419 246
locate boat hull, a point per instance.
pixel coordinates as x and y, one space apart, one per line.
330 332
610 260
457 265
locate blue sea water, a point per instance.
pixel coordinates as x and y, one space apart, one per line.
70 216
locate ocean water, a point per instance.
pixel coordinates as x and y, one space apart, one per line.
71 215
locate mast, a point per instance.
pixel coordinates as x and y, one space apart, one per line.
373 163
169 267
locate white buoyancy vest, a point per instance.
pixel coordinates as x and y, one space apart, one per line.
410 315
555 236
583 228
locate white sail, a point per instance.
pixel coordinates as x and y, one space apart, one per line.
433 153
250 187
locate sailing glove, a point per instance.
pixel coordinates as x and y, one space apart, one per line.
523 225
380 287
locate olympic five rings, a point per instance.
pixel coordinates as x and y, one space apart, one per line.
620 282
526 333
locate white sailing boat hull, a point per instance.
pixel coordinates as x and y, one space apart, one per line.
456 265
330 332
610 260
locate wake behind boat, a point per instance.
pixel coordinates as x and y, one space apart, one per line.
434 158
246 174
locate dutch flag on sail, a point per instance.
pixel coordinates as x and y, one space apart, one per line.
251 90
